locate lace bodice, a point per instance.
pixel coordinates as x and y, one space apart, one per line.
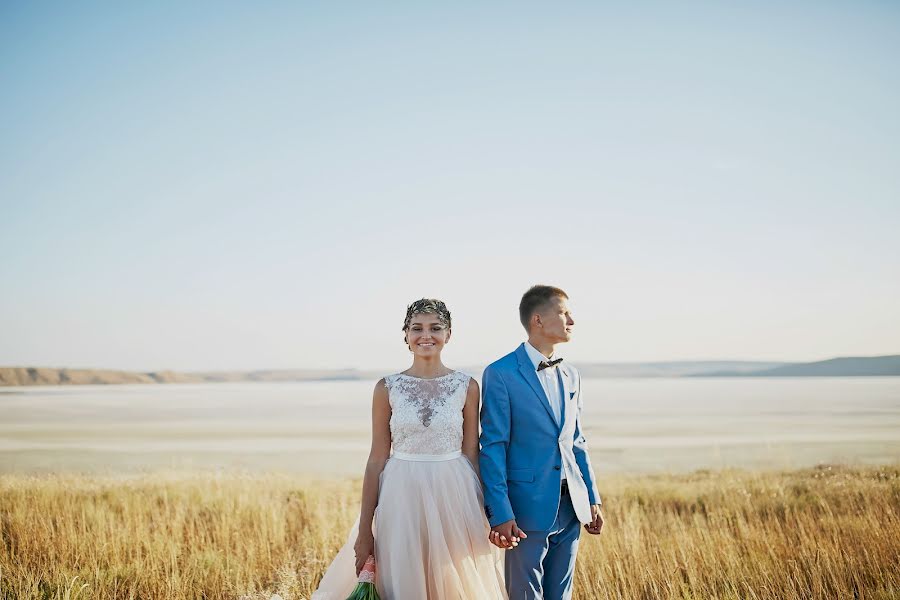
426 414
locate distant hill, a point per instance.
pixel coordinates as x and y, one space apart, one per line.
835 367
673 368
852 366
16 376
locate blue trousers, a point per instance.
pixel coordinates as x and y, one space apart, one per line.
542 566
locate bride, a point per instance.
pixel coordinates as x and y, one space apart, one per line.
421 515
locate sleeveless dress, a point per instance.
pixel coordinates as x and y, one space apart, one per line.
431 534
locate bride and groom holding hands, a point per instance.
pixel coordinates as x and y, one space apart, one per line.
451 515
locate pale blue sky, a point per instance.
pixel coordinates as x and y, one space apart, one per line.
252 185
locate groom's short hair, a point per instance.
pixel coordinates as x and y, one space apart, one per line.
537 298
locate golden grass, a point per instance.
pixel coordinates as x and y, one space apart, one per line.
829 532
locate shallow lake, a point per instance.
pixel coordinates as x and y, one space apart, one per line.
322 428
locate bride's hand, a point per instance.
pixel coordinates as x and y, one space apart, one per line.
364 548
506 535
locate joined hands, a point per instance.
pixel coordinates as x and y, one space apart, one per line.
506 535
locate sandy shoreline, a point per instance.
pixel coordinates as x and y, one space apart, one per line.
339 463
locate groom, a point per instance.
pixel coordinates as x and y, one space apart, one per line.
538 480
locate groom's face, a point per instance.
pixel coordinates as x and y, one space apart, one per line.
556 321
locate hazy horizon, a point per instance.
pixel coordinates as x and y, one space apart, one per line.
207 187
387 369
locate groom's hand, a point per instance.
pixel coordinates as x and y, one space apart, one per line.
506 535
596 525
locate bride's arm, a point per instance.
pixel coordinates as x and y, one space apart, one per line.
470 424
378 455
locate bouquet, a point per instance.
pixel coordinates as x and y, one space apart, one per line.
365 589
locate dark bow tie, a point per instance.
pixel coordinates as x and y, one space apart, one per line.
551 363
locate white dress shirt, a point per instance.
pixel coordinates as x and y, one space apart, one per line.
549 379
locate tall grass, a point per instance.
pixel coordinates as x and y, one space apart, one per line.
829 532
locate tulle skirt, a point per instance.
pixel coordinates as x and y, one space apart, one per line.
431 537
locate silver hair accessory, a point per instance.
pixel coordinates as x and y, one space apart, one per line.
427 306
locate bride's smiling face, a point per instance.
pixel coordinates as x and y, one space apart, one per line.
426 334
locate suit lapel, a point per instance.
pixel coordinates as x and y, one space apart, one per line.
530 375
566 394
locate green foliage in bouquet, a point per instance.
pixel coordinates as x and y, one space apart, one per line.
365 589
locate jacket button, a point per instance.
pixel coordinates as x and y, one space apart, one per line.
556 467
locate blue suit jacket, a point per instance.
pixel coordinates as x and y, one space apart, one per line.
524 449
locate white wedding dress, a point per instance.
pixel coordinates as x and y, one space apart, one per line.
431 535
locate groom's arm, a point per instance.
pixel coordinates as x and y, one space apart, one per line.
580 448
495 426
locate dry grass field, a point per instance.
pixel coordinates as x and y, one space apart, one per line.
829 532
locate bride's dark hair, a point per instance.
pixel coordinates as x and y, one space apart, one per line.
427 306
